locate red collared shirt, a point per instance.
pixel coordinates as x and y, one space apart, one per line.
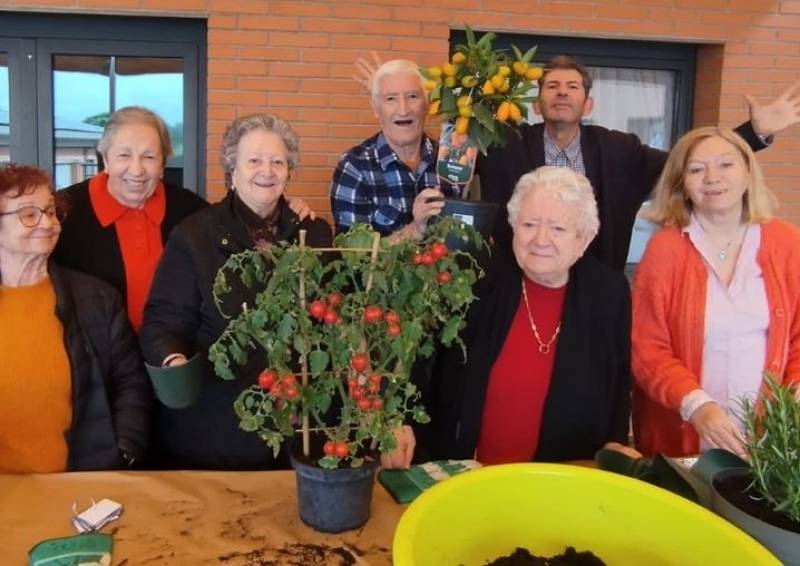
139 235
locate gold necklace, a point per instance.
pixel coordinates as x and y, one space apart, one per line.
543 348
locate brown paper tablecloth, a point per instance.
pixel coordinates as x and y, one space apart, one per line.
192 518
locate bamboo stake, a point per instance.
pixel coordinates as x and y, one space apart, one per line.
376 243
304 358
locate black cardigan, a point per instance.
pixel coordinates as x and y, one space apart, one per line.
622 170
88 247
181 316
111 396
588 401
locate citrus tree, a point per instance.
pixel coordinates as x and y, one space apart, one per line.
339 330
483 91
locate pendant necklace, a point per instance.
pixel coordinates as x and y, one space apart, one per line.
544 348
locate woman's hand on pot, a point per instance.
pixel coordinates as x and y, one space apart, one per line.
627 450
401 456
714 425
300 208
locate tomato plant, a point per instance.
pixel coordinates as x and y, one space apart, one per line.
339 347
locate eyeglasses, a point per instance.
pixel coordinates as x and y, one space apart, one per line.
31 215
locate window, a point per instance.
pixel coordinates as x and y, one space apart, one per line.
84 68
642 87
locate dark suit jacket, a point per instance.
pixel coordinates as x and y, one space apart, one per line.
588 402
84 245
622 170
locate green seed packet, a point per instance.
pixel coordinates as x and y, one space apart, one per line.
405 485
79 550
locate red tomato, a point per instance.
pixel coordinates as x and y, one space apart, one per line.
375 378
444 277
438 250
358 393
352 382
373 314
288 380
364 404
317 309
329 448
291 393
377 404
416 259
341 449
393 330
334 300
391 317
266 378
276 390
331 318
359 362
428 259
374 388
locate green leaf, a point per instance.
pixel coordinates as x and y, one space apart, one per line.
318 360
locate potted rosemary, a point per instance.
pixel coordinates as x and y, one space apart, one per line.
338 331
763 498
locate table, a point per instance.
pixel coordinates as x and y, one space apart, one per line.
191 518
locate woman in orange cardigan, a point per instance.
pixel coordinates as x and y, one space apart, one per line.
716 298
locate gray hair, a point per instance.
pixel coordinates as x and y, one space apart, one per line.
246 124
140 116
394 67
566 185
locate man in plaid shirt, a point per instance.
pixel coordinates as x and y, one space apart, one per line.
389 180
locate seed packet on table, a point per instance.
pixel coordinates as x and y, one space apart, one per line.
405 485
86 550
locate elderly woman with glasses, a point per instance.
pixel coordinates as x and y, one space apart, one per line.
547 373
73 392
259 153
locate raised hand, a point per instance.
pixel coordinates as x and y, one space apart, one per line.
784 111
366 69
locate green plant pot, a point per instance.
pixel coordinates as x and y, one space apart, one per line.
178 387
783 543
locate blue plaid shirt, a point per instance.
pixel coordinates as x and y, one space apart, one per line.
372 186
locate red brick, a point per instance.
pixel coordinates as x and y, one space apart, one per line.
332 25
217 51
332 86
222 82
238 98
239 6
790 7
269 53
177 5
236 37
304 8
299 100
359 11
247 68
268 84
299 39
222 21
349 41
702 4
251 21
422 45
299 70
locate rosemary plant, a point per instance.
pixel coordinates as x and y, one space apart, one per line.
773 446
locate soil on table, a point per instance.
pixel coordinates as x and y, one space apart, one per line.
570 557
736 489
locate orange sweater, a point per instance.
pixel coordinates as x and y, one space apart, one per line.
669 305
35 386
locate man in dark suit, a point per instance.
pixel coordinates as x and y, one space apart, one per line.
621 168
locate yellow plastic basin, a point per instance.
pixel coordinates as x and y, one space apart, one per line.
484 514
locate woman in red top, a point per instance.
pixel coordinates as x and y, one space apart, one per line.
547 371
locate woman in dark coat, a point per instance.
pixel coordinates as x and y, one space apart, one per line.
547 375
181 318
73 391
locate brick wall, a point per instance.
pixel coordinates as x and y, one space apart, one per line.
295 59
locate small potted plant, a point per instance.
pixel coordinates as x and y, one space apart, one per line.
479 95
338 331
763 498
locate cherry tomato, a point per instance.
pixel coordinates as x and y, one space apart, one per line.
334 300
364 404
438 250
377 404
317 309
417 259
341 449
375 378
352 382
444 277
374 388
359 362
288 380
291 393
331 318
266 378
391 317
358 393
276 390
329 448
428 259
373 314
393 330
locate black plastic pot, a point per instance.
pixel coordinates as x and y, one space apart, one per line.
783 543
336 500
